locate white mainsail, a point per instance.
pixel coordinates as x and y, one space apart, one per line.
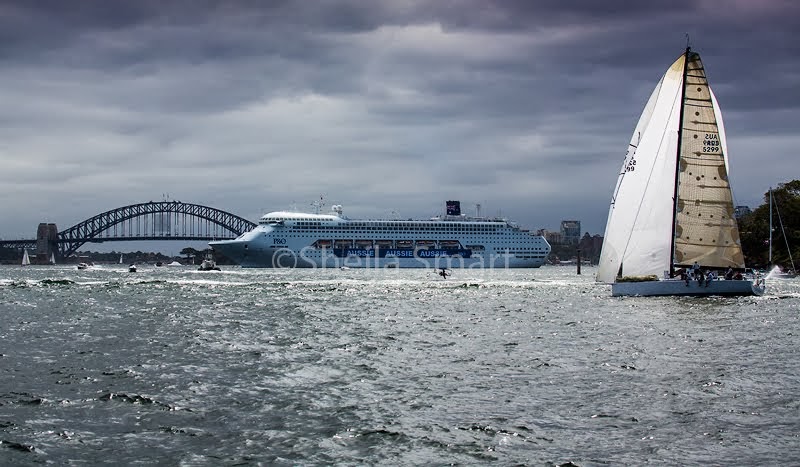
25 259
639 233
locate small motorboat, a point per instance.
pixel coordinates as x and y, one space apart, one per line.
83 266
132 268
208 264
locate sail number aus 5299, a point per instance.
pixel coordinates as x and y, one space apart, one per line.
711 143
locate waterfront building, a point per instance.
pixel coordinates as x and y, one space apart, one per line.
571 231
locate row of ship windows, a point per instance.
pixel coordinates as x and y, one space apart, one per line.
390 225
460 226
383 225
323 253
469 247
519 251
402 243
448 228
410 230
384 238
368 230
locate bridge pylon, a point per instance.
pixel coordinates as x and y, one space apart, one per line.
46 242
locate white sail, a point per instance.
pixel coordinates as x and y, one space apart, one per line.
639 238
52 258
638 232
25 259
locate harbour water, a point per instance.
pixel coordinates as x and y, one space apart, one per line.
174 366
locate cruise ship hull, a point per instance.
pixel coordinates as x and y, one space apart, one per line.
251 257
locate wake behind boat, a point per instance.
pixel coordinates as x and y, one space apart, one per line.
778 273
673 207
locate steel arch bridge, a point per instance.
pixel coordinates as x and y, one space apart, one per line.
164 220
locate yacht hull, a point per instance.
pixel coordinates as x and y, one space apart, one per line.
692 288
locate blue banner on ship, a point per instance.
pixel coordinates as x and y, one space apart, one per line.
401 253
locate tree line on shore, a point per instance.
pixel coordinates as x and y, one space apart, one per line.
754 228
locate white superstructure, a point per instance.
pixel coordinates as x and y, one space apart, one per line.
292 239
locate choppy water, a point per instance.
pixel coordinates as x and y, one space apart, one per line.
395 367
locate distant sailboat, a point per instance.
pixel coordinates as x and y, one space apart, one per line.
26 261
672 208
52 258
120 259
777 272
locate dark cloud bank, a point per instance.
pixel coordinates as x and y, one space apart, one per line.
525 107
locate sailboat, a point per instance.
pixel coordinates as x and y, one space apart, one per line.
52 258
776 272
26 260
672 208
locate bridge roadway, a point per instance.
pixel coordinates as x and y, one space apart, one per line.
164 220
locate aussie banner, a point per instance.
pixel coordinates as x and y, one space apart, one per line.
401 253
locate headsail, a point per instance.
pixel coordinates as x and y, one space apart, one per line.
705 229
637 238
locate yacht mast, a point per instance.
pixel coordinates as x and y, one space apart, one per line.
770 227
678 163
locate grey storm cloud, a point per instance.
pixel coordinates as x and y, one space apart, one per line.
523 106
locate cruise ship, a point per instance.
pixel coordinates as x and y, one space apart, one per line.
292 239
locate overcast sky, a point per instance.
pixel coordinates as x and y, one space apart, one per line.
525 107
